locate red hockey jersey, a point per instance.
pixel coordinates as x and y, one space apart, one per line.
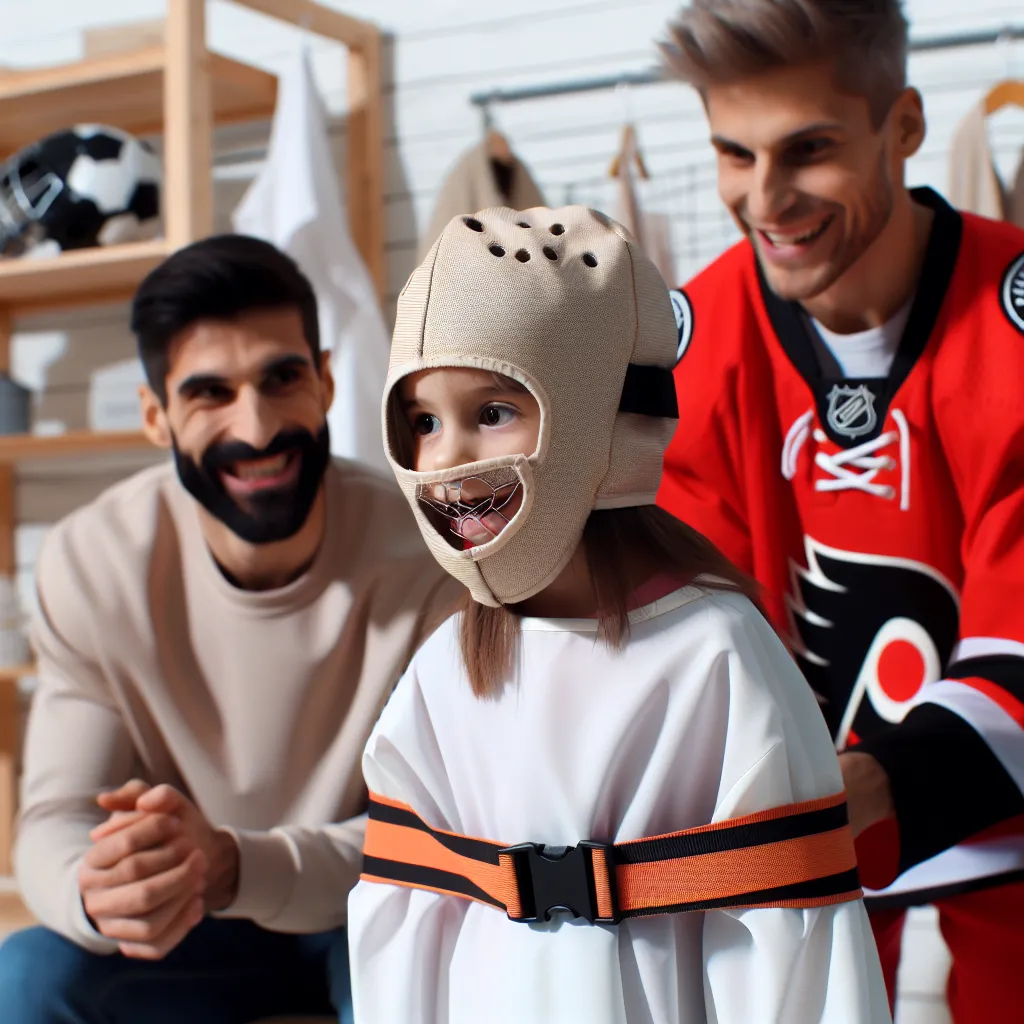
885 518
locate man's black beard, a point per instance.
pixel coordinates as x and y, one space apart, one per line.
267 516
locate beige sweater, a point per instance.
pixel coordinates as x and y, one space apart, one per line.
256 704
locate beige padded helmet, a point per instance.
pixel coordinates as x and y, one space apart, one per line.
564 302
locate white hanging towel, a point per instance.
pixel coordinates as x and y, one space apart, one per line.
296 203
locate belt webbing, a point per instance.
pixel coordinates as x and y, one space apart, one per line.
799 855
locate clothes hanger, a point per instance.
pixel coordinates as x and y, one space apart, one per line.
629 152
498 147
1008 93
629 146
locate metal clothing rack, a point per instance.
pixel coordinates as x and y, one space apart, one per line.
655 75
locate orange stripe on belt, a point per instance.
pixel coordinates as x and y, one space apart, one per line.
799 855
411 846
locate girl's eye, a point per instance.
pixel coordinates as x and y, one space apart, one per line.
497 415
425 424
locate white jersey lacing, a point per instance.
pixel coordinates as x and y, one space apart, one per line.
853 469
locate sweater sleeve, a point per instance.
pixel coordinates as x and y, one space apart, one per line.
794 965
76 745
297 879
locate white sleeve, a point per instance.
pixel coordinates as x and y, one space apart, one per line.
783 966
398 937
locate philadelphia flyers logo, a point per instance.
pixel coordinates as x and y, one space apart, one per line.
869 631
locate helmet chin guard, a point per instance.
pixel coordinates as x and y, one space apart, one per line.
474 509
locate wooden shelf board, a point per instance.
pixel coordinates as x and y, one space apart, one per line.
124 90
85 275
12 673
28 447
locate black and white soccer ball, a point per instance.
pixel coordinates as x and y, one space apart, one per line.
84 186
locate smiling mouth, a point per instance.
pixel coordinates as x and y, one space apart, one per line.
779 240
258 474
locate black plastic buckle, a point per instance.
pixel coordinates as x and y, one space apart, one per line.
560 878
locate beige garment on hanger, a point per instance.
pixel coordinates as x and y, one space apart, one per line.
653 231
974 183
471 186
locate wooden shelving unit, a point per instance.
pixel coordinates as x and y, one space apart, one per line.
34 103
180 91
74 278
17 448
13 673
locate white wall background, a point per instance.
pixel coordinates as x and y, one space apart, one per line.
442 51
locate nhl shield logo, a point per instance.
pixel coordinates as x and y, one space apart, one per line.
851 411
1012 293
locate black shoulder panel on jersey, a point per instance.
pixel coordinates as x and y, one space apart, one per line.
947 784
1005 670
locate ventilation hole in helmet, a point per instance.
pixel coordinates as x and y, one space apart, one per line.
549 252
523 256
473 224
557 229
496 250
521 224
590 259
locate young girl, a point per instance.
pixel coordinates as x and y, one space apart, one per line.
602 793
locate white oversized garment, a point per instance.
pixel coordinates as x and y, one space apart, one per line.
703 717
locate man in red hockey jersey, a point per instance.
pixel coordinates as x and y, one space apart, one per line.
852 432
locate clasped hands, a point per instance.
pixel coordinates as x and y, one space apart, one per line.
155 869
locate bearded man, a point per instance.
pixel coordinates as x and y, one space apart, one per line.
216 637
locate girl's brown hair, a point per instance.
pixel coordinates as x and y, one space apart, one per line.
624 548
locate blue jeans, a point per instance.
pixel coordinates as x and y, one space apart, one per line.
225 972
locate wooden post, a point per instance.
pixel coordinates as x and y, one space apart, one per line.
314 17
188 126
9 704
366 156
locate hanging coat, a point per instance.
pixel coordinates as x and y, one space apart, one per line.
974 183
653 231
472 185
297 203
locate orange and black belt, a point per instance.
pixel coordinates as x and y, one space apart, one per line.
799 855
